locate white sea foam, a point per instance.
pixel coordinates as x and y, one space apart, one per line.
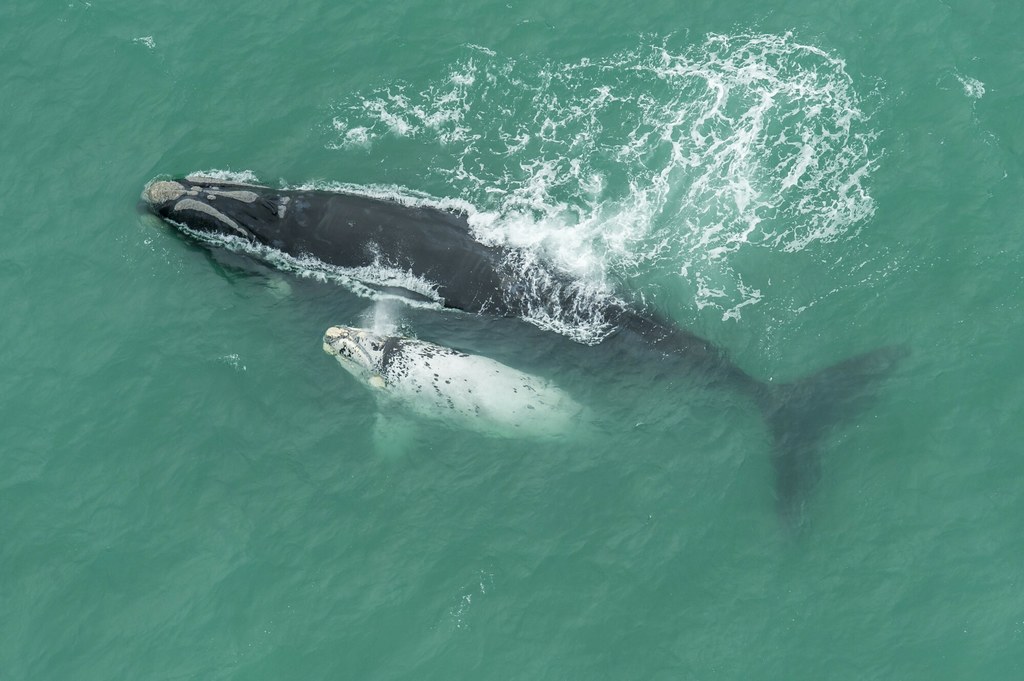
653 160
973 87
401 195
233 361
240 176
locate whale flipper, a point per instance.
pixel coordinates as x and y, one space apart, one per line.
800 413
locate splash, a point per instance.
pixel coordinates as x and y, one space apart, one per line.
239 176
653 161
973 87
377 281
383 318
458 613
234 361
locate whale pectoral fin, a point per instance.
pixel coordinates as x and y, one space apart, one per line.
278 287
394 436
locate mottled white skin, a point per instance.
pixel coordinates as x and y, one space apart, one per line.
468 391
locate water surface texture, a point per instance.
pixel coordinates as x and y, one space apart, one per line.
190 488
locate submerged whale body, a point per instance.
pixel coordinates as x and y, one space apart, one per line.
430 254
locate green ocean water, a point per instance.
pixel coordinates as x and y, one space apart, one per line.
191 489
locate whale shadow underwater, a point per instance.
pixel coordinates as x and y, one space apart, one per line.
428 256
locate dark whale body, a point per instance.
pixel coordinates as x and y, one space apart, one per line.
358 233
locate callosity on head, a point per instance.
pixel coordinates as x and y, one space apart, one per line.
211 206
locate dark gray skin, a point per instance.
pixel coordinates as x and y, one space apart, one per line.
344 230
349 230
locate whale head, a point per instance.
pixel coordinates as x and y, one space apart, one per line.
211 207
360 351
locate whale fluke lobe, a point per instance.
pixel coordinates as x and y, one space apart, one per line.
799 414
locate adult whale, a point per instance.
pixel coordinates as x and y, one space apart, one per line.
432 255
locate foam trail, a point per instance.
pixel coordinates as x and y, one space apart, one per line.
660 161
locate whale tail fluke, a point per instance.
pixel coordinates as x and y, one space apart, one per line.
799 414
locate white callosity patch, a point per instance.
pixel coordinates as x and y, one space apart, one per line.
162 191
206 209
650 161
244 196
465 390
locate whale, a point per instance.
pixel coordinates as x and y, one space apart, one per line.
429 255
467 391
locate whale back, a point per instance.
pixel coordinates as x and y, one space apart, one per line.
474 390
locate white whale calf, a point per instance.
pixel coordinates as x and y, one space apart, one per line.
467 391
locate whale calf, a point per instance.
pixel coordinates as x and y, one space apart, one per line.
431 256
438 382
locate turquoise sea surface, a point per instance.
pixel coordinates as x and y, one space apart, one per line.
190 488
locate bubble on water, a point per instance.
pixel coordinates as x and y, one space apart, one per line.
973 87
